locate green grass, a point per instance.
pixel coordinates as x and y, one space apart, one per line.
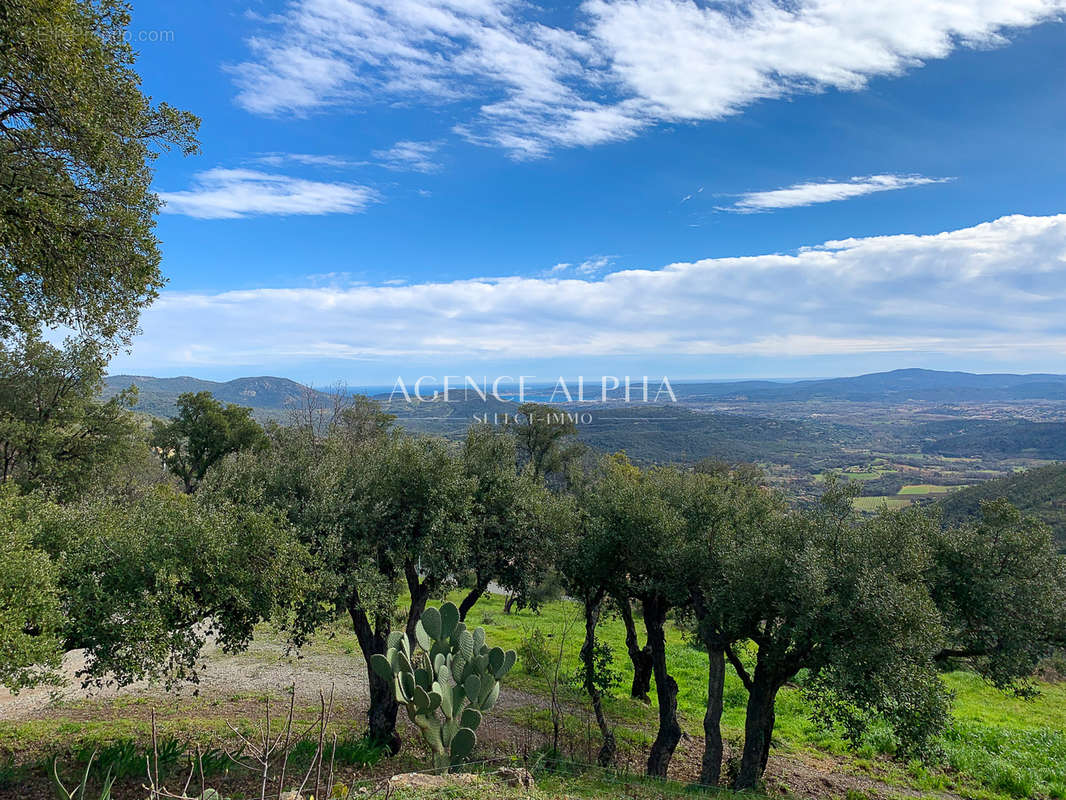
569 785
998 746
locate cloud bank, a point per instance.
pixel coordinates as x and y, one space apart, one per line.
622 66
996 288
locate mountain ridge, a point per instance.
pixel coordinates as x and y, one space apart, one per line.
273 393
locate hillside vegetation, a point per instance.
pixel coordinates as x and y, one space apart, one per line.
1040 492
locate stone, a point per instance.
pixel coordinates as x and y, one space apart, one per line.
515 777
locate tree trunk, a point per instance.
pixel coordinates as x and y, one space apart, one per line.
420 592
758 731
711 770
640 656
509 603
669 734
588 655
471 598
381 716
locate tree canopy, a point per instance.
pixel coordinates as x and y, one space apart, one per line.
30 613
203 432
141 585
55 434
77 139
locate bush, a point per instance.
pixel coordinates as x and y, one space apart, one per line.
534 654
604 676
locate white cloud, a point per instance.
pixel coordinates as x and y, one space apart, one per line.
234 193
808 194
625 65
307 159
998 287
590 266
408 155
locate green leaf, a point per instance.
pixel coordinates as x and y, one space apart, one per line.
423 638
381 666
466 645
444 674
449 618
496 656
462 744
445 699
470 718
431 622
493 696
423 678
509 659
472 686
421 700
406 681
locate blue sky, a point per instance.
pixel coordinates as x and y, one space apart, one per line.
696 189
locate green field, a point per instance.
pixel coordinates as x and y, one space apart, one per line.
872 504
927 488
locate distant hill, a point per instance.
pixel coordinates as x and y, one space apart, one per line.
1011 438
895 386
274 394
158 396
1040 492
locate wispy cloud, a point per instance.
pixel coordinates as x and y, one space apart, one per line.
408 155
809 194
588 267
623 66
997 288
235 193
307 159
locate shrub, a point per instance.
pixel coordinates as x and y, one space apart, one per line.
605 677
534 654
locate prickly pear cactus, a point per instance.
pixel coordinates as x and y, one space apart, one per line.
447 680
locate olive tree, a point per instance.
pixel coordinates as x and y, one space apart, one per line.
823 591
30 613
391 513
636 533
1000 585
725 511
515 520
546 438
143 585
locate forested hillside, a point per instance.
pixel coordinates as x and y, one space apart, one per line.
159 396
1040 492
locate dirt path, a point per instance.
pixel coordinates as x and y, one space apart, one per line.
263 669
